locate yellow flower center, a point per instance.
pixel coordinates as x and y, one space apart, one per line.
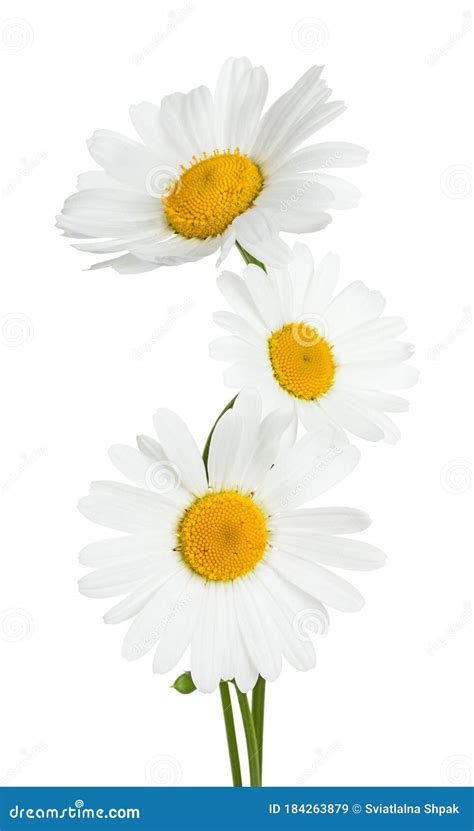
211 193
223 535
302 360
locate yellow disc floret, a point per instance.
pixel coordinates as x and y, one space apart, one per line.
211 193
222 535
302 360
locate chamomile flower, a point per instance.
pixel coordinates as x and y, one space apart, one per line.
211 170
226 563
324 358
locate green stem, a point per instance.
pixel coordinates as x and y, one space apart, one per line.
230 733
251 739
205 452
249 259
258 714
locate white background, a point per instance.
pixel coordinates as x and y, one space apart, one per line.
88 357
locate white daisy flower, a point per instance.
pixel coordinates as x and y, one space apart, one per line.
226 563
322 357
212 170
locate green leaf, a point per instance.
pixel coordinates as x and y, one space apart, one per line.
184 684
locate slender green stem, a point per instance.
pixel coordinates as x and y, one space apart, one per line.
205 452
251 739
258 714
230 733
249 259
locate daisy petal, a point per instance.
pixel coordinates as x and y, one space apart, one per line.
305 471
323 521
179 627
224 443
332 551
151 622
317 581
180 447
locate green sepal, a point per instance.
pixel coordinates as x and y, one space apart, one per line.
184 684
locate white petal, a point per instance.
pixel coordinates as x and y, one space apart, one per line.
323 155
322 521
182 450
238 296
337 406
256 628
248 406
232 349
321 287
372 332
332 551
151 622
385 401
135 602
180 626
311 415
264 297
204 667
128 264
224 445
125 549
317 581
389 375
293 117
147 473
301 269
151 448
245 373
244 670
257 231
344 194
121 578
305 471
128 509
123 159
238 326
274 595
356 304
239 98
269 436
145 118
